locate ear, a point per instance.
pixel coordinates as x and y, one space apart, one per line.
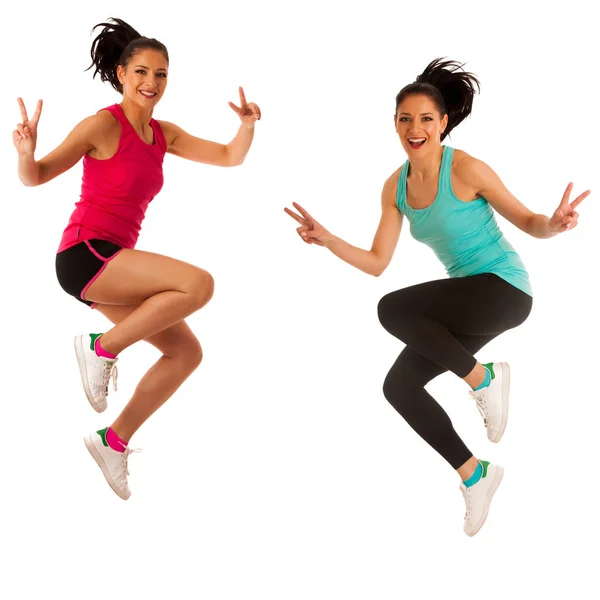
121 74
444 123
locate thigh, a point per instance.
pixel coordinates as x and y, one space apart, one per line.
478 305
175 340
414 369
133 276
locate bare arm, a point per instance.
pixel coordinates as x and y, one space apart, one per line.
66 155
373 261
182 144
490 186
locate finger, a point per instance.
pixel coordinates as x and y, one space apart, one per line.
295 216
242 96
236 108
302 211
37 113
580 199
255 110
21 130
565 198
23 110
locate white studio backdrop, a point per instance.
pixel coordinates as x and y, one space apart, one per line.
279 471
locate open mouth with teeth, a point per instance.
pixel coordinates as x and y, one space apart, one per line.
416 142
148 94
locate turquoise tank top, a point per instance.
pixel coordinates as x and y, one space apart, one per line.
464 235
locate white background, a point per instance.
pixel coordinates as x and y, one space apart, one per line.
279 471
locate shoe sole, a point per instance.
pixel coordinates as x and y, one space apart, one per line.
89 444
78 344
505 395
488 499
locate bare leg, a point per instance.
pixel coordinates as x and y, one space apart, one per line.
181 356
161 290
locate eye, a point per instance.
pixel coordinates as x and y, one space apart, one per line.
163 75
140 71
427 119
403 119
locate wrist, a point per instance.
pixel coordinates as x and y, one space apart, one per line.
332 240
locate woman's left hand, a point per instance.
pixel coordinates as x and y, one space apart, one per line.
565 217
248 112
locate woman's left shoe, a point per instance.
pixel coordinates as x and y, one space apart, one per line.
492 401
478 497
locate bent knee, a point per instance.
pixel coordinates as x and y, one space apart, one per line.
393 310
385 310
201 287
189 353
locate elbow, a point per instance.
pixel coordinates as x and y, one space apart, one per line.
378 270
29 183
229 160
379 266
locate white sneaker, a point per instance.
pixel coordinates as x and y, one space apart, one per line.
479 496
112 463
95 370
492 401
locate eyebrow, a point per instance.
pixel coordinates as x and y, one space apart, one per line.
422 114
144 67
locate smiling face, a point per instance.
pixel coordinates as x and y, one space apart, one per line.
144 79
419 124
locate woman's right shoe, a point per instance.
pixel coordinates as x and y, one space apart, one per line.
112 462
95 371
478 497
492 401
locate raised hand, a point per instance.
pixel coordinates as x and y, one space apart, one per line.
310 230
566 217
25 135
248 112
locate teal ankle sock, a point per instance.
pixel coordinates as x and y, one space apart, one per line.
475 477
486 381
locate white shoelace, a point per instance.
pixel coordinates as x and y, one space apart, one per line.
467 497
110 370
125 458
481 407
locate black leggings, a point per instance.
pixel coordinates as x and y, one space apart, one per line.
443 323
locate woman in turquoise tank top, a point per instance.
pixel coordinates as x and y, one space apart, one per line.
448 198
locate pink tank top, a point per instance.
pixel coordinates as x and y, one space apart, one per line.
115 193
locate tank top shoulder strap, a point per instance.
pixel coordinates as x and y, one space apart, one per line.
445 181
116 111
159 136
401 191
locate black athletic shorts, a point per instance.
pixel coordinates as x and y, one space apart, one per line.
80 265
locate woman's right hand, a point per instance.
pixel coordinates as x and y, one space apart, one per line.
310 230
25 135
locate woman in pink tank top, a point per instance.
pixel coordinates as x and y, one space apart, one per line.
147 296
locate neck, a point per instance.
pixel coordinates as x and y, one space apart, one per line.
136 115
428 165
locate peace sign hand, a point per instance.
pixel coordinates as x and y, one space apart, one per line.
310 230
248 113
25 135
566 217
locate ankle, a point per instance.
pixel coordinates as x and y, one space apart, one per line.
103 348
477 376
